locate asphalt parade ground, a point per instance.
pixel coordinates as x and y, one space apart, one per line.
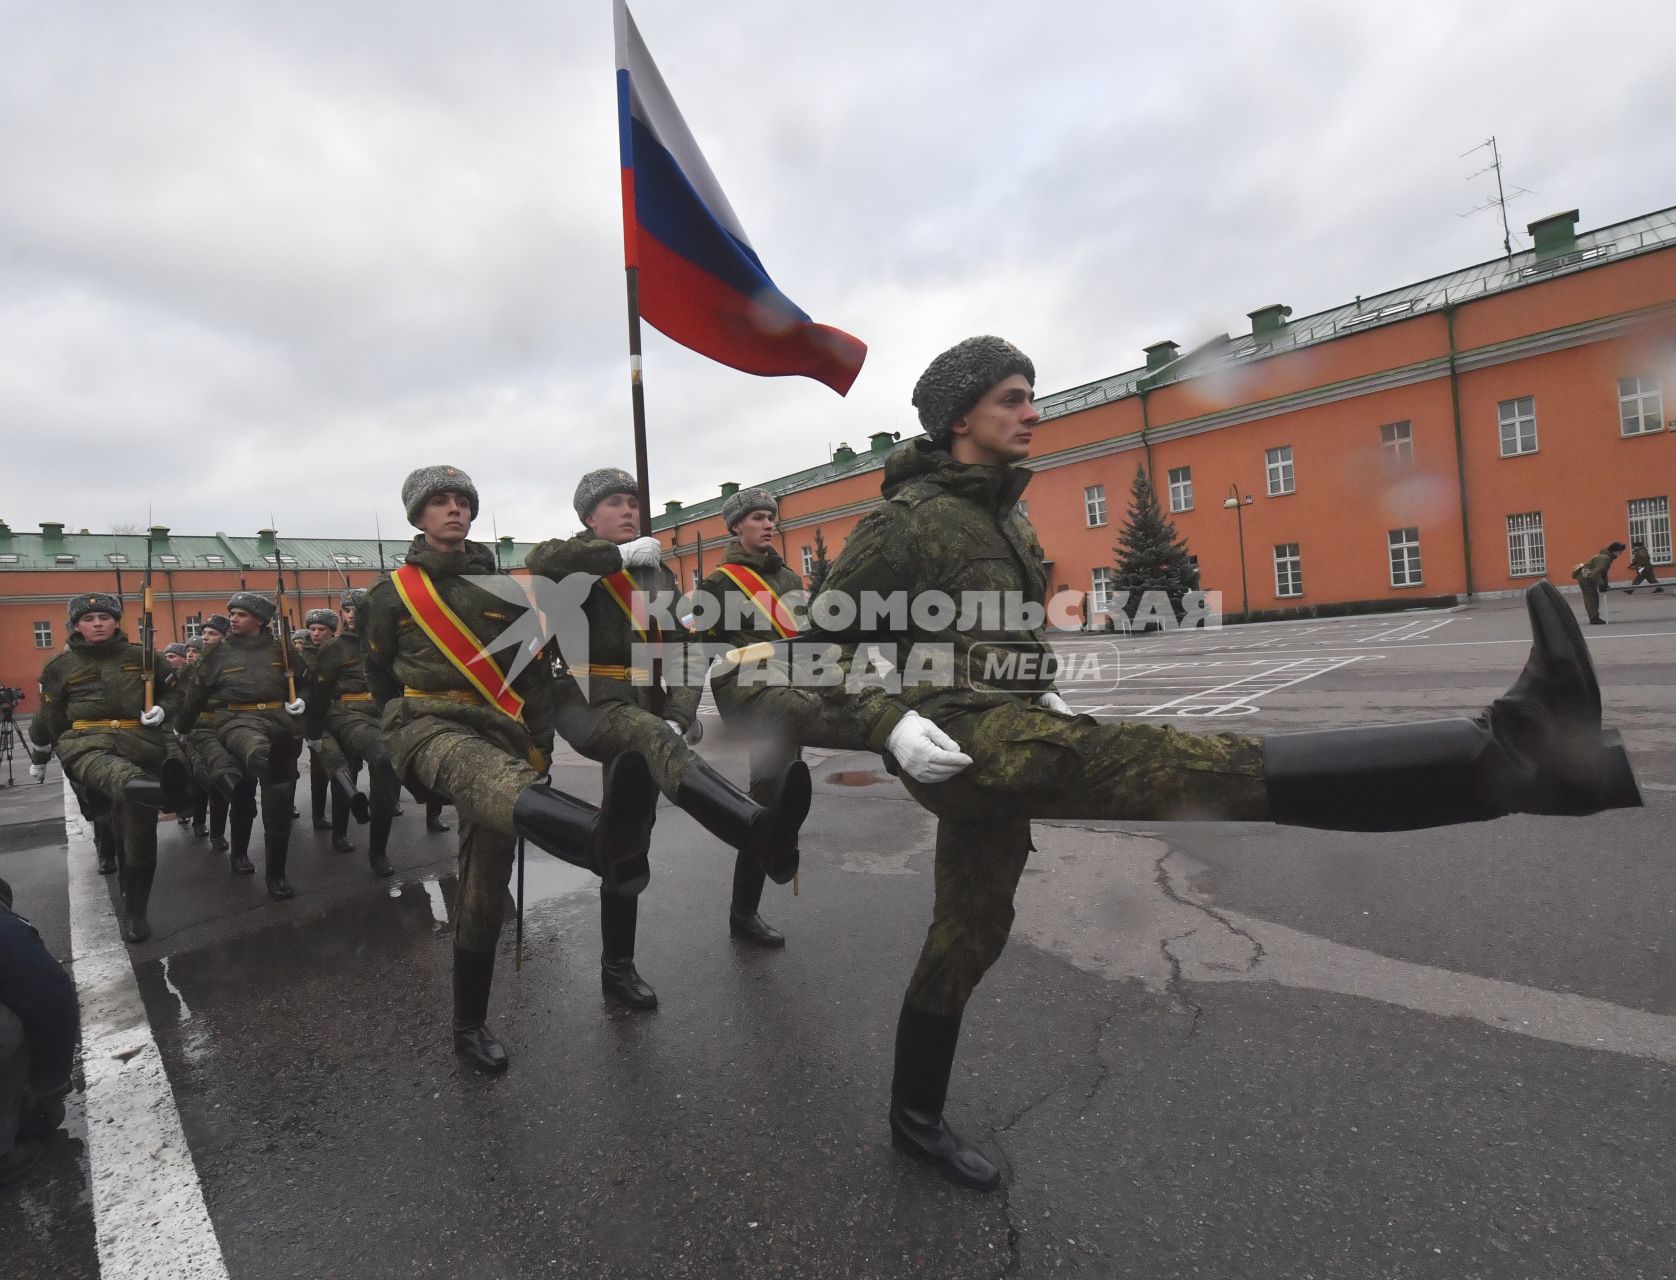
1209 1050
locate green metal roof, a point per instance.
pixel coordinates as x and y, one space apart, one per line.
80 551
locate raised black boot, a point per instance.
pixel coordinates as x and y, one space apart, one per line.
241 816
433 818
925 1045
136 893
611 842
474 972
352 797
146 792
1538 748
318 789
275 847
767 832
618 977
378 840
742 919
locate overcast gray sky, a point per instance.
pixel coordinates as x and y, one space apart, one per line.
260 256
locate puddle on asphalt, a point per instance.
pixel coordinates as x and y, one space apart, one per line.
545 878
185 1009
854 777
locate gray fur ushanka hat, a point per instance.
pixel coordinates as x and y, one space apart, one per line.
596 486
251 602
741 504
321 617
957 380
94 602
423 482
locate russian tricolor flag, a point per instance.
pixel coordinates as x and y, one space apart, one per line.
701 282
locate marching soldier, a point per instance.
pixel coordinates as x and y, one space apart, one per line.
752 596
1641 560
456 727
327 758
987 758
215 774
179 657
1591 579
246 688
341 710
623 712
98 712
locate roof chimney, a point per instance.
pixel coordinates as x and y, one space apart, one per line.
1160 354
1554 235
881 441
729 488
672 507
1267 322
265 542
843 453
52 530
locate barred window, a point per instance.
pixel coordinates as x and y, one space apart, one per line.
1518 426
1288 570
1396 443
1649 522
1281 477
1094 505
1640 406
1526 554
1405 557
1181 489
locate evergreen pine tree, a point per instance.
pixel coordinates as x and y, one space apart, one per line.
819 566
1150 557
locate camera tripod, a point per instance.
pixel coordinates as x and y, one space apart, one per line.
8 742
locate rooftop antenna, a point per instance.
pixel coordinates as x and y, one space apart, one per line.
1499 201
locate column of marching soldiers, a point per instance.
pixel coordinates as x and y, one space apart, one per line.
405 687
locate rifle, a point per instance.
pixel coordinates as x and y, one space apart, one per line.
148 637
284 622
379 533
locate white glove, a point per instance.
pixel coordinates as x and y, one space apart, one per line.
313 744
642 553
1051 701
924 751
295 708
38 772
689 736
151 719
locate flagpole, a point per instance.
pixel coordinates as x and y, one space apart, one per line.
637 393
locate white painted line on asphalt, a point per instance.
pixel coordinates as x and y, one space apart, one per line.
149 1215
1658 786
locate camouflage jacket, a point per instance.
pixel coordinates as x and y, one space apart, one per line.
1596 566
611 635
399 655
339 667
92 682
1640 558
242 670
953 528
729 604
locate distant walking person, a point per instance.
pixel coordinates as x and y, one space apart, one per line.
1591 577
1641 560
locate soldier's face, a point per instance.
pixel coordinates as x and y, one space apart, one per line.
319 632
96 627
175 660
243 623
348 613
999 428
616 519
756 532
211 638
446 518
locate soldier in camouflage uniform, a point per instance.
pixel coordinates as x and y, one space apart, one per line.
986 757
753 689
215 773
1591 579
486 755
340 707
94 714
626 713
178 659
242 691
327 755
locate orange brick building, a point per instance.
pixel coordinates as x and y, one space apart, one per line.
1465 435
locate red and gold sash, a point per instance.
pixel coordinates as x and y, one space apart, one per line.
764 597
454 639
622 588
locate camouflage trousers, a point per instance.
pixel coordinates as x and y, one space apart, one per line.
605 730
205 754
105 762
1590 588
1031 763
482 781
362 740
247 736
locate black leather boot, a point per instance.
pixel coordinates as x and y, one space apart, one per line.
275 848
474 972
136 894
350 796
218 824
618 977
176 779
341 843
378 840
146 792
1539 748
610 842
433 818
200 813
318 789
767 832
742 919
241 817
925 1045
104 844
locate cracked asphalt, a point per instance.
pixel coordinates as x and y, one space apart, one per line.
1209 1050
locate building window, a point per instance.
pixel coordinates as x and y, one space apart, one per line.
1102 591
195 626
1640 406
116 557
168 561
64 558
345 558
43 635
1649 522
1181 489
808 561
1094 505
1281 478
1526 554
1288 570
1396 442
215 560
1518 426
9 557
1405 557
